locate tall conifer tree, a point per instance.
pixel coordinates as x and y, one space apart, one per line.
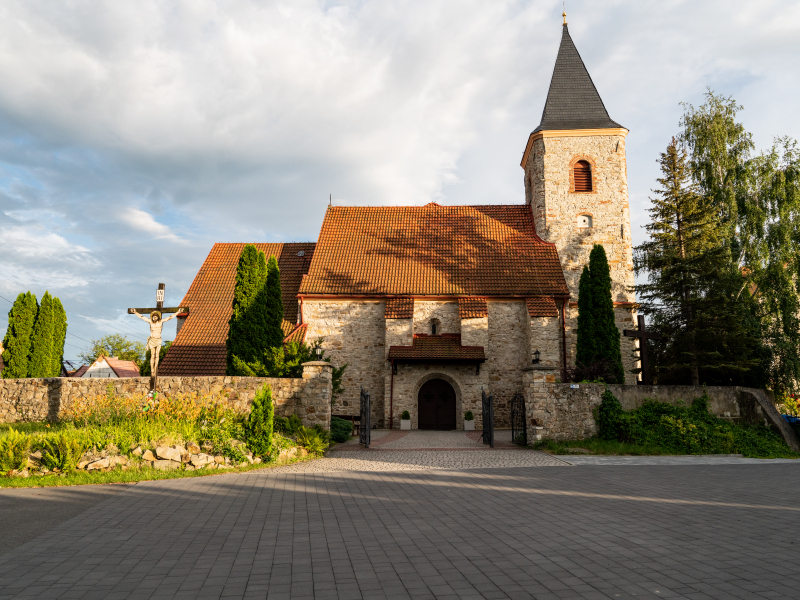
59 335
694 295
587 348
41 361
604 322
17 343
274 305
247 333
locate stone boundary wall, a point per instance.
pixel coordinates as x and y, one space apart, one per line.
308 397
560 411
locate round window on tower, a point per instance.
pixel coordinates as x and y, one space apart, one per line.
584 221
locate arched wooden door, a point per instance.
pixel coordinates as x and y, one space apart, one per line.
437 405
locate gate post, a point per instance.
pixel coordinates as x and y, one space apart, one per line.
487 408
364 424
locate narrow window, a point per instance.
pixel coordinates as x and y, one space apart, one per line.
435 327
584 221
582 175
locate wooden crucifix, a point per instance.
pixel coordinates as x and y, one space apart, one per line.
156 323
643 336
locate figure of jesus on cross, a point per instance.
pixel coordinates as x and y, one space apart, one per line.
156 324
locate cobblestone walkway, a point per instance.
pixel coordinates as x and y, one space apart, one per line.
727 531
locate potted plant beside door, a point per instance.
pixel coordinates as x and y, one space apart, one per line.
405 421
469 421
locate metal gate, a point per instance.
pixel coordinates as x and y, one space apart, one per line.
364 426
519 432
487 405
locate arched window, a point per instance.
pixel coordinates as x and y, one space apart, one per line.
582 176
436 327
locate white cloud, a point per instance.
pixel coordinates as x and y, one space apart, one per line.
144 221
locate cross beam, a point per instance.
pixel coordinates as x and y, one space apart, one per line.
643 336
155 329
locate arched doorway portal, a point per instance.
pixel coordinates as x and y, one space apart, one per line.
437 405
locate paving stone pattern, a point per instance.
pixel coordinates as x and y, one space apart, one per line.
727 531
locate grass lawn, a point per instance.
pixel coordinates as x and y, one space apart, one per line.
615 448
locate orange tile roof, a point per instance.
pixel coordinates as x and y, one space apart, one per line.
433 250
541 307
199 347
298 334
472 308
446 347
399 308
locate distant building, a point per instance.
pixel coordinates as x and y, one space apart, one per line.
107 367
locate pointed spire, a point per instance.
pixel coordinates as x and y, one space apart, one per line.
573 101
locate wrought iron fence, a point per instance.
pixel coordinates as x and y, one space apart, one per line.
487 406
364 426
519 432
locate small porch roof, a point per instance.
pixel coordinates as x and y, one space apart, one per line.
437 348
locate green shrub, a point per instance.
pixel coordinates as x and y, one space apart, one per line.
340 429
62 453
14 448
685 430
313 440
608 414
258 427
288 426
468 416
405 416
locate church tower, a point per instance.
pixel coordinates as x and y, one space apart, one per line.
577 187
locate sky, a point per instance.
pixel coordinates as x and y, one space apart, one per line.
135 135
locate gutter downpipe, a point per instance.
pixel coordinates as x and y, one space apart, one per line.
391 399
563 340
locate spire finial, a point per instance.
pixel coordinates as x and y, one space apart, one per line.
564 14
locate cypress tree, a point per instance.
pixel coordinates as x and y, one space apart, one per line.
41 361
274 305
587 348
259 424
59 335
604 323
17 343
247 327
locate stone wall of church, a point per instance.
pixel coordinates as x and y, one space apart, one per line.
445 312
354 333
544 335
556 209
507 354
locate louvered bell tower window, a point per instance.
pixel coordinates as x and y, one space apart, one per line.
582 176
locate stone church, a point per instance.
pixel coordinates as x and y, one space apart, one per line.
428 305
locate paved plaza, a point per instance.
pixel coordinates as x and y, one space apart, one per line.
400 521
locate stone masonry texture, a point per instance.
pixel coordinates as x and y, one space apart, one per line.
556 210
309 398
354 334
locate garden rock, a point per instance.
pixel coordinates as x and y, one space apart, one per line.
219 460
185 458
148 456
165 465
103 463
199 460
192 448
168 453
179 448
119 460
137 451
